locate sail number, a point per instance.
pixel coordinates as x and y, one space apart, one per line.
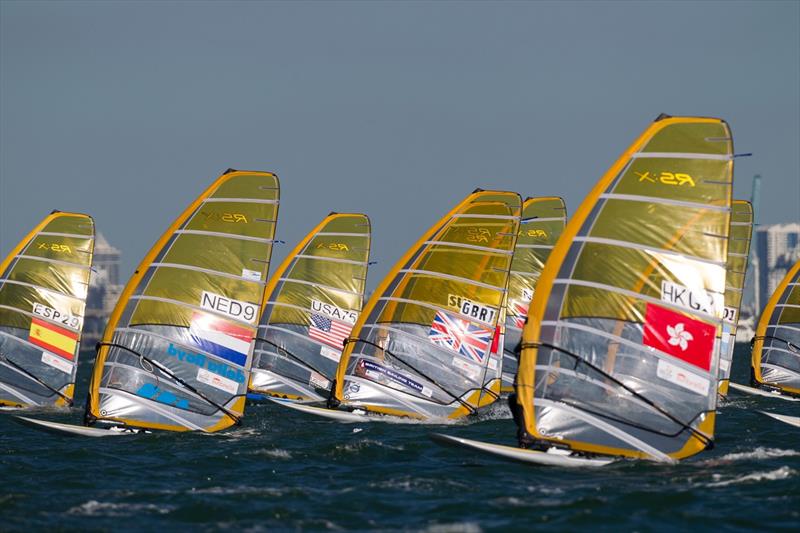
227 306
470 309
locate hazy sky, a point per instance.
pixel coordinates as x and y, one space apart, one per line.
127 110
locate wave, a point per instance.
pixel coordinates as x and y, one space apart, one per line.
453 527
275 453
362 444
783 472
96 508
759 453
242 489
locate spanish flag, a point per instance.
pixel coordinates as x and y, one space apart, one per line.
54 339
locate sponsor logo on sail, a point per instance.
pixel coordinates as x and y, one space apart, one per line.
376 372
223 216
677 375
152 392
333 246
667 178
237 309
254 275
55 247
533 233
207 364
218 382
57 363
71 321
476 234
319 381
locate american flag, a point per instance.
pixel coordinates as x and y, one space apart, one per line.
329 331
461 336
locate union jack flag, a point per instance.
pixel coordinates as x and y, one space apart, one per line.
462 336
520 314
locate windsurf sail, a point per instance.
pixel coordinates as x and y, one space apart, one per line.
312 302
543 220
43 286
427 343
177 350
776 346
736 266
618 354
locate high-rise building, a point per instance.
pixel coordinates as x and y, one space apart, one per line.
104 291
776 248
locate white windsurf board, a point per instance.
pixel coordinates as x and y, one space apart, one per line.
553 457
69 429
334 414
786 419
759 392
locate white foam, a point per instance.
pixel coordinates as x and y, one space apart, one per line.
496 411
96 508
366 443
241 489
780 473
759 453
275 453
454 527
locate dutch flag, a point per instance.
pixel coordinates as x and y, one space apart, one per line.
221 338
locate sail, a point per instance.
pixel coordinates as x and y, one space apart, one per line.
543 220
425 345
736 266
177 350
43 286
312 302
618 354
776 346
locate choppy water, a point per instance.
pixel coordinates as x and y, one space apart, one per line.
287 471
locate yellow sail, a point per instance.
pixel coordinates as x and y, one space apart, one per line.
312 302
736 266
426 344
543 220
776 346
618 354
176 353
44 281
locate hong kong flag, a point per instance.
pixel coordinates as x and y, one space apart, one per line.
680 336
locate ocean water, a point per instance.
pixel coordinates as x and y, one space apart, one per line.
285 471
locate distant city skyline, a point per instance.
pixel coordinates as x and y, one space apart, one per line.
776 248
105 288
